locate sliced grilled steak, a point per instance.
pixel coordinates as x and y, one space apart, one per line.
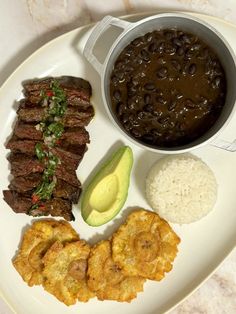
29 166
25 183
25 168
37 85
70 160
74 116
65 151
67 191
35 114
34 98
78 119
68 176
21 146
15 157
70 84
26 104
75 136
54 207
75 99
27 131
25 164
20 204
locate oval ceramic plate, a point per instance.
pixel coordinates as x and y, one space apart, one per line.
204 244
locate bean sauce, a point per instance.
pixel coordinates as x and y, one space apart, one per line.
167 88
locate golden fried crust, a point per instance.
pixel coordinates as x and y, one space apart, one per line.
107 279
65 268
145 245
36 241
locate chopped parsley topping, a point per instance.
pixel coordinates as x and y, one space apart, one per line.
58 103
56 129
45 188
40 153
55 103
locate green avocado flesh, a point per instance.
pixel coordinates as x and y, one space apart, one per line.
108 190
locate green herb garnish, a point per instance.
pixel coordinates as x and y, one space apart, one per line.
56 108
35 206
51 167
58 103
55 103
40 153
56 129
45 188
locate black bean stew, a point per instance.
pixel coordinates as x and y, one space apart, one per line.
167 88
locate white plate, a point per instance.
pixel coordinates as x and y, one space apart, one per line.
204 244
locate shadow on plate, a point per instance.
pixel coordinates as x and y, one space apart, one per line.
142 166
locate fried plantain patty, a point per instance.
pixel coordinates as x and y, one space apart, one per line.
107 279
145 245
65 272
36 241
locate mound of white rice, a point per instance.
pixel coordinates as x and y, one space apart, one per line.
181 188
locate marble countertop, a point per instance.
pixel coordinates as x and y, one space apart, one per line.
28 24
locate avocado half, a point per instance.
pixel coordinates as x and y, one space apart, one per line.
108 190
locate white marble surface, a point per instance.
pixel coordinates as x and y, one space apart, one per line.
28 24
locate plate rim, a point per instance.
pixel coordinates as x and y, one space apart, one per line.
88 26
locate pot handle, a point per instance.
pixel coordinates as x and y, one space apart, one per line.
226 145
100 28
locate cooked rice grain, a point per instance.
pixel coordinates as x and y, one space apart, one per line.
181 188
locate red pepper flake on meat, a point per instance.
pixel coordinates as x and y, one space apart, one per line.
42 207
49 93
35 198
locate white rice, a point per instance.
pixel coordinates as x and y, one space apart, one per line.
181 188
